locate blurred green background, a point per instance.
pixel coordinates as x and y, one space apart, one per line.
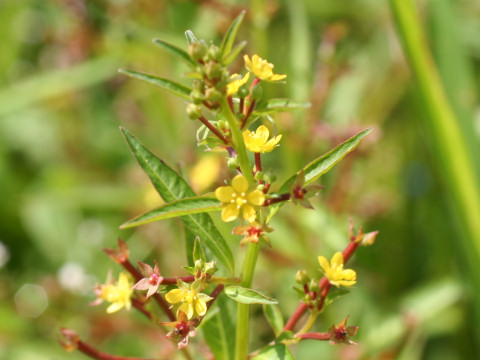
67 179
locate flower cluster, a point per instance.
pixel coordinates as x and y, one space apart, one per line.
118 294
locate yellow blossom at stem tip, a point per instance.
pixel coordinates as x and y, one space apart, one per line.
261 68
236 83
236 198
335 273
193 301
258 142
118 294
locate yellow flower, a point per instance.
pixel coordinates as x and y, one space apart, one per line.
258 142
193 301
262 68
118 294
237 197
236 83
335 273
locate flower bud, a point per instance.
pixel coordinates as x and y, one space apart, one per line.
233 163
197 50
302 277
213 70
199 264
197 96
212 94
259 176
257 92
313 286
198 84
269 177
214 53
194 111
243 91
210 267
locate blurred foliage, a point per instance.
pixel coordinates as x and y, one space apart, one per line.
67 179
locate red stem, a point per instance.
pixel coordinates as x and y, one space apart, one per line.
271 201
315 336
95 354
247 115
230 103
213 129
139 306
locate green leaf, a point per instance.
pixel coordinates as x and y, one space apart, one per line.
169 85
189 245
274 352
185 206
234 53
247 296
173 187
198 253
219 331
190 37
176 51
320 166
229 37
278 105
274 317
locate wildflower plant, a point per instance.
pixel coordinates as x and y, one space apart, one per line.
232 114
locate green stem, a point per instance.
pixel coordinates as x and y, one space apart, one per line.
308 325
238 142
243 310
457 162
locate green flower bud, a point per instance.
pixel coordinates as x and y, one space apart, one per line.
194 111
197 50
197 96
269 177
243 91
259 176
213 70
302 277
214 53
213 95
233 163
198 84
313 285
257 92
210 267
199 264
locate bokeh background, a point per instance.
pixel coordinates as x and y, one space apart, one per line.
67 179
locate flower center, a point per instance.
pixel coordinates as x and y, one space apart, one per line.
153 279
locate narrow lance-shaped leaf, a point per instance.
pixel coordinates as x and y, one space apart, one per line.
274 317
234 53
176 51
189 245
320 166
185 206
173 187
190 37
169 85
229 37
274 352
278 105
247 296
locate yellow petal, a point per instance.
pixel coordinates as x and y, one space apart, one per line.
230 212
249 213
224 193
114 307
187 308
324 263
337 259
248 62
270 145
349 274
346 282
256 198
174 296
240 184
200 307
276 77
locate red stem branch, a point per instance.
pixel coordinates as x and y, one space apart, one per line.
315 336
95 354
213 129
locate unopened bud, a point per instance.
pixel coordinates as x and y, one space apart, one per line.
197 96
369 238
243 91
214 53
313 286
210 267
302 277
213 70
194 111
199 264
269 177
233 163
212 94
257 92
197 50
259 176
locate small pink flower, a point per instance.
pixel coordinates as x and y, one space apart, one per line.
152 279
182 329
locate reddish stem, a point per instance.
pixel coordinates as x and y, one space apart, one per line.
296 316
324 295
271 201
173 281
217 291
137 304
213 129
258 164
247 115
95 354
242 104
315 336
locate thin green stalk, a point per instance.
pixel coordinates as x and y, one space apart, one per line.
243 310
457 162
239 144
